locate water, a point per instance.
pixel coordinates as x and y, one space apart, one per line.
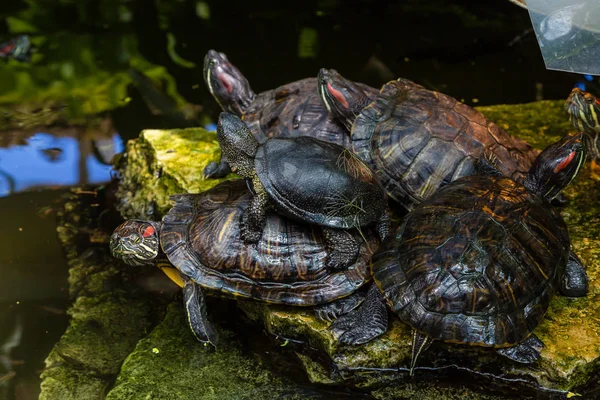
65 114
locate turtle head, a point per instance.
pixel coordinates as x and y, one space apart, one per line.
584 111
238 144
343 98
556 166
136 242
226 83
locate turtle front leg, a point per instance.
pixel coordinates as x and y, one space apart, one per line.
342 248
217 170
195 307
253 220
365 323
574 282
526 352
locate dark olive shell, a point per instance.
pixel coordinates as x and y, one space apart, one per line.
295 109
475 264
319 182
418 140
201 237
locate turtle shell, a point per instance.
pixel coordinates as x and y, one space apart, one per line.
201 237
319 182
418 140
295 109
475 264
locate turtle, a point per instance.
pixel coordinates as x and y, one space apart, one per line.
418 140
307 179
583 109
294 109
199 239
478 262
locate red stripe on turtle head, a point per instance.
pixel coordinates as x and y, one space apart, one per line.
565 161
148 232
338 95
8 48
225 81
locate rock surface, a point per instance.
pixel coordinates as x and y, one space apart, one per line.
161 163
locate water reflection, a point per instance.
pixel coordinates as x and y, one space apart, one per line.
46 160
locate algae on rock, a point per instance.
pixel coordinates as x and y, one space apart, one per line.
170 364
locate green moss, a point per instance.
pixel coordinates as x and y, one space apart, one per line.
170 364
539 123
102 332
71 384
428 392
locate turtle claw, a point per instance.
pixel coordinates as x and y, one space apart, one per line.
363 324
526 352
331 311
216 170
326 314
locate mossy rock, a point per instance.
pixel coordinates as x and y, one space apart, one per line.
170 364
162 163
108 316
569 331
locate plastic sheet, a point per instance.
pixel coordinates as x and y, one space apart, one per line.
568 32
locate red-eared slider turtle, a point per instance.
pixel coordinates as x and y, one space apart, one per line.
307 179
200 236
478 262
294 109
584 112
418 140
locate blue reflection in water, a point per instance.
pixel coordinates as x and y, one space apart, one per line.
47 160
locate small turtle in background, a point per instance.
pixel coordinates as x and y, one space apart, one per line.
418 140
307 179
584 113
478 262
200 237
294 109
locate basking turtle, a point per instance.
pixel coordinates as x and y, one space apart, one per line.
307 179
290 110
418 140
478 262
584 110
200 237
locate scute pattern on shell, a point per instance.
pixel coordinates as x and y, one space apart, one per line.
296 109
477 263
418 140
201 237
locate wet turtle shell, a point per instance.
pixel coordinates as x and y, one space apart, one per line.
338 189
201 237
418 140
295 109
475 264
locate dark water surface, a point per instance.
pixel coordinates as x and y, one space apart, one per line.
67 112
